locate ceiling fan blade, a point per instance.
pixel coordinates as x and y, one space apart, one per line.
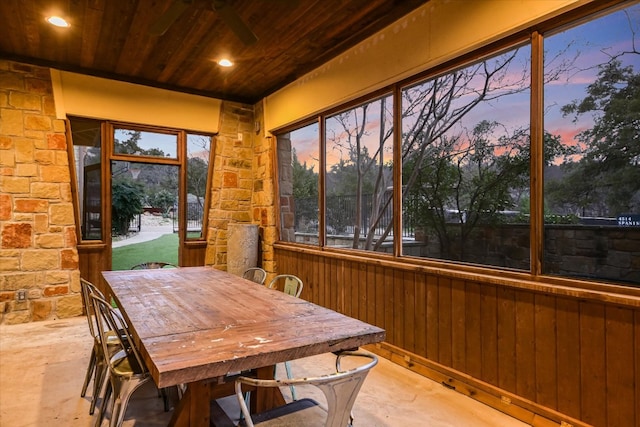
233 21
162 24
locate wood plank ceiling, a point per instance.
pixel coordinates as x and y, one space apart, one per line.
113 39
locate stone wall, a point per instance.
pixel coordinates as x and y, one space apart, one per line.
264 191
287 201
38 256
593 252
608 253
242 186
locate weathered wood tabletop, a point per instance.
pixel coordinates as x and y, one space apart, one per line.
194 325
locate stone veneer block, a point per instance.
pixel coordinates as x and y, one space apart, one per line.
242 247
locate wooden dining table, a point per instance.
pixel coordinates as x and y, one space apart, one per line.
198 325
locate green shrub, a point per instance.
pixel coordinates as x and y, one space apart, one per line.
126 204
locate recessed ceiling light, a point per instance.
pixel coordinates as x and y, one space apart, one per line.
225 63
58 21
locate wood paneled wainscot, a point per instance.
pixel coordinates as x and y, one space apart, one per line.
547 355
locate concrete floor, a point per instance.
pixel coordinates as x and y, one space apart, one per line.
42 367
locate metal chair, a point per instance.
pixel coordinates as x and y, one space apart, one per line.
152 265
340 389
289 283
97 368
126 368
255 274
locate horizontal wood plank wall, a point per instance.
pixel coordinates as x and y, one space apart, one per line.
571 359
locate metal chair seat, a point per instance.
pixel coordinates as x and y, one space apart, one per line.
125 365
294 414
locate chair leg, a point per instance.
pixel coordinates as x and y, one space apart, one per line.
181 389
116 406
90 370
99 379
287 367
247 401
104 404
165 399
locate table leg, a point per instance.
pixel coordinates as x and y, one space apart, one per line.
266 397
194 408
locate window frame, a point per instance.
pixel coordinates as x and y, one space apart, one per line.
368 100
533 279
107 129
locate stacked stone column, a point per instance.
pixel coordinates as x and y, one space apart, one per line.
242 186
38 255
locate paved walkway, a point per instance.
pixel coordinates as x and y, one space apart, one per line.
147 232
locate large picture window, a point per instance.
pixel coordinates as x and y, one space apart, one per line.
592 185
359 177
465 163
499 162
145 175
299 162
148 185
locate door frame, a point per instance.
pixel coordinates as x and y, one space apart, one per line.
95 255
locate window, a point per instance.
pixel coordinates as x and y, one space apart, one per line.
465 160
142 143
298 160
465 170
150 185
359 177
87 150
198 157
145 170
592 116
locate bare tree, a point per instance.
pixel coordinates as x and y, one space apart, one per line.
351 143
430 112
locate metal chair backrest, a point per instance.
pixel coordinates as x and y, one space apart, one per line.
111 319
87 289
291 285
340 389
152 265
255 274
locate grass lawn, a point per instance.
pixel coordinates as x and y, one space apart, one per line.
162 249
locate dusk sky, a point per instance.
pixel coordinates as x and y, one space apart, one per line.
594 42
197 145
167 143
591 44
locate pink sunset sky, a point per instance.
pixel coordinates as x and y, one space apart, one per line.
591 43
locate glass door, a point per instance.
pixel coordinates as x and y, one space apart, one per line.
144 200
145 170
